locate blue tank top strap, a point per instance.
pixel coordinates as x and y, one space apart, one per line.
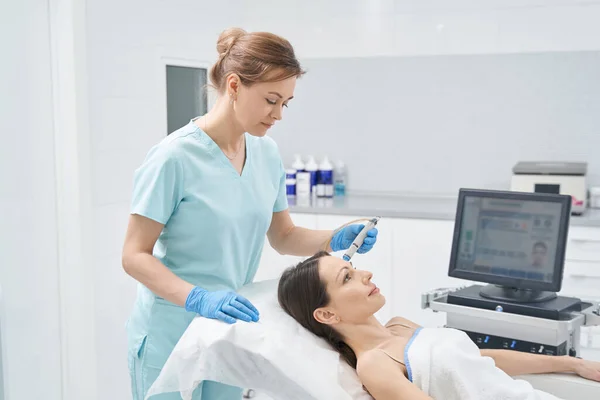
406 348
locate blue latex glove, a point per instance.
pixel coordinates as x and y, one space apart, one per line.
222 305
344 238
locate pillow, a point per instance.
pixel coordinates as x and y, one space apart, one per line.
276 356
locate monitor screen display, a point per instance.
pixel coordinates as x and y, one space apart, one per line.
509 238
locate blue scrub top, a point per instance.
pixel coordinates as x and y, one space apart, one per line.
215 219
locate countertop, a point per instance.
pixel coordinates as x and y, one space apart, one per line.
402 206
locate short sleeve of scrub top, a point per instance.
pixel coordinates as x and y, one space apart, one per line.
215 218
158 187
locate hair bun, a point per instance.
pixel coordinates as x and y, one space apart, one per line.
227 38
254 57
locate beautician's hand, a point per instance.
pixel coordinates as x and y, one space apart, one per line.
222 305
588 369
344 238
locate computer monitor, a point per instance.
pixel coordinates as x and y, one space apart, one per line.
514 241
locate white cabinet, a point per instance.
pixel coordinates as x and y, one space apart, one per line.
378 260
582 264
582 279
583 244
272 263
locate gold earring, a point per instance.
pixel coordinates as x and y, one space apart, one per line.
230 98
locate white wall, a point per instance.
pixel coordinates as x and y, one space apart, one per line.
436 124
47 336
437 27
28 238
126 40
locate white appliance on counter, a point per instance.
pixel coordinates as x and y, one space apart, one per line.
567 178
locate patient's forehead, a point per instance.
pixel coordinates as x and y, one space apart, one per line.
329 267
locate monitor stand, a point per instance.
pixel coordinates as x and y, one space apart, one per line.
515 295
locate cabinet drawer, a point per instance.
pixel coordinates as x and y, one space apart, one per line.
582 279
594 337
575 268
584 244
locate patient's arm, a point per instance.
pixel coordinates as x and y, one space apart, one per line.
384 379
519 363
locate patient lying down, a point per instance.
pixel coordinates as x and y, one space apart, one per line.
401 360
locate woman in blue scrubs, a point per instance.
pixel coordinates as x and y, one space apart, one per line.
202 202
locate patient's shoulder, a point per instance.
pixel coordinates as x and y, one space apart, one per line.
375 366
371 362
402 321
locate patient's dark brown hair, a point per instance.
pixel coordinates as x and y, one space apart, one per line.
301 291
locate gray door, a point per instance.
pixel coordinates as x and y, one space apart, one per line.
186 95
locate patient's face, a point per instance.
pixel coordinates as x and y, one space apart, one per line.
353 296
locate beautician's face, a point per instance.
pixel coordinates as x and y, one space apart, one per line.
259 106
353 297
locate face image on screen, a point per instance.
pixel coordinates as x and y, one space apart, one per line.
510 238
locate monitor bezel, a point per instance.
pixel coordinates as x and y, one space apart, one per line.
563 230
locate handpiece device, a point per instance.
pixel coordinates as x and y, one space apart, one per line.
358 241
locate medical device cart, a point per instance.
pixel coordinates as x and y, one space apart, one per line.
496 329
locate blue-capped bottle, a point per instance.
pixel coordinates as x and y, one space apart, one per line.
290 182
325 177
312 168
291 176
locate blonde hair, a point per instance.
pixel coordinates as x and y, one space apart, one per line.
254 57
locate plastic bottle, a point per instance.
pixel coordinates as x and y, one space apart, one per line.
298 165
303 184
312 168
325 179
340 179
290 181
